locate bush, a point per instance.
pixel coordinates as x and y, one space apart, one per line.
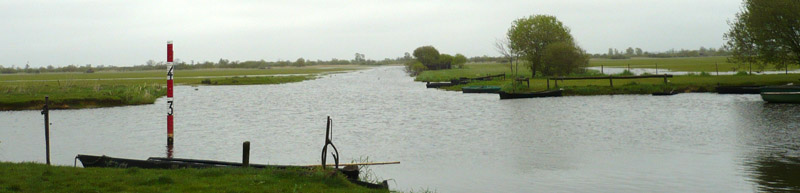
703 73
415 67
741 73
626 73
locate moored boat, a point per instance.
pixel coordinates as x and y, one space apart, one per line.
549 93
738 89
438 84
781 94
480 89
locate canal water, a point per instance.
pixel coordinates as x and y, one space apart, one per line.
448 141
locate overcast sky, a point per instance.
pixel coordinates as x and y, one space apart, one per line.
125 33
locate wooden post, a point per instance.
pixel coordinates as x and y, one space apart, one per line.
548 83
665 79
656 68
601 69
529 83
611 81
717 66
246 154
46 113
556 81
786 66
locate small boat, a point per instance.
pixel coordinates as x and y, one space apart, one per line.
738 89
480 89
438 84
445 84
781 94
350 171
549 93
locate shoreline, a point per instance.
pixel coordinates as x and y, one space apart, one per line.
83 91
37 177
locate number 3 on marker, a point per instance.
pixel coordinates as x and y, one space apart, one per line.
170 108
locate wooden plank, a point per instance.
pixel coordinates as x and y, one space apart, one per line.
357 164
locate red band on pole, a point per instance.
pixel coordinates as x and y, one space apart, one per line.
169 88
169 125
169 52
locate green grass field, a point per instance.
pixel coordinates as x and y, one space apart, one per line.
687 83
31 177
102 89
691 64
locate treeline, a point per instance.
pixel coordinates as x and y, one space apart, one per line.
613 53
428 58
222 63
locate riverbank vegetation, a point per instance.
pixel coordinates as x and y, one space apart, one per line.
546 45
685 83
32 177
103 89
766 33
428 58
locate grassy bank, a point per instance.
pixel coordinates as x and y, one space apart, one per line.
71 96
103 89
30 177
244 80
687 83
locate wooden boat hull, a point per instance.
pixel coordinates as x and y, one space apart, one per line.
670 93
480 89
781 97
781 94
438 84
738 89
550 93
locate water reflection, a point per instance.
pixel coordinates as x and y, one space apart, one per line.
773 135
169 151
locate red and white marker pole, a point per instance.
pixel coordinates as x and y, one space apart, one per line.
170 71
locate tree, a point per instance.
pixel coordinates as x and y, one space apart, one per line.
459 60
629 51
610 52
428 56
766 31
566 57
359 58
639 51
300 62
503 47
445 61
530 37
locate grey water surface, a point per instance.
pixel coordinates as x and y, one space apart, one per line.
448 141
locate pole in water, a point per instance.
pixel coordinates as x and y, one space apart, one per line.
170 120
46 113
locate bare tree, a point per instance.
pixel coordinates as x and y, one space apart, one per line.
503 47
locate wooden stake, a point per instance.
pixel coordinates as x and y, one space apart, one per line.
246 154
46 113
